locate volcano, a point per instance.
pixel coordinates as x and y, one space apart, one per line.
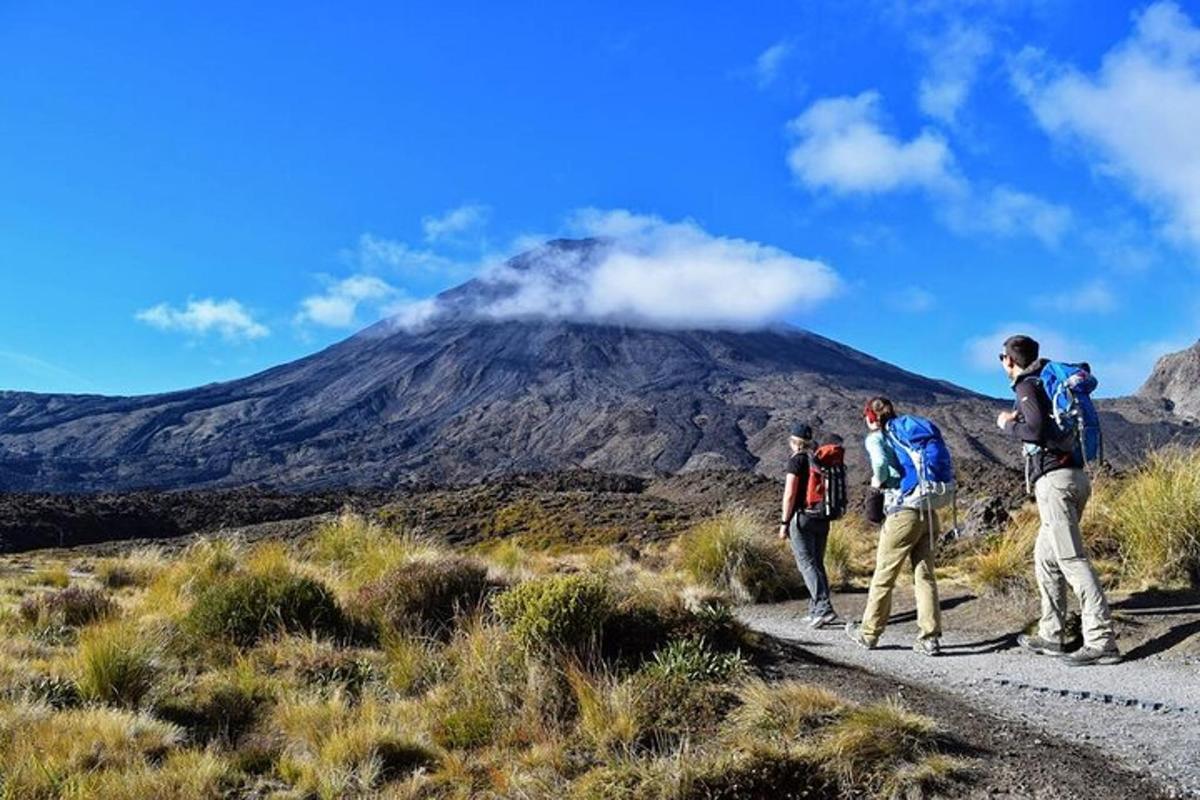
480 385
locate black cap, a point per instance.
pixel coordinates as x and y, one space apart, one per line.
802 430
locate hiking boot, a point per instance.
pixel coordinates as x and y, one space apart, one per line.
821 620
1043 647
1087 656
928 647
854 631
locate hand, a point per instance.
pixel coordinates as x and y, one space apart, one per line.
1005 417
783 531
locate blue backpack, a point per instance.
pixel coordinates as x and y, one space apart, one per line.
925 463
1070 387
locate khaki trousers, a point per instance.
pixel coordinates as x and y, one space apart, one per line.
1059 560
905 538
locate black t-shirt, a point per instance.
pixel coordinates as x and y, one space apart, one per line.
798 466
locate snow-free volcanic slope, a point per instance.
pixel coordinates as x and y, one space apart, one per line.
469 394
1176 379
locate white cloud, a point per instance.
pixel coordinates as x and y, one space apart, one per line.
1007 212
769 61
455 222
201 317
1095 297
338 306
840 145
954 61
1136 114
654 272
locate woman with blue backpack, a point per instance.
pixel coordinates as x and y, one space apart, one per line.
910 465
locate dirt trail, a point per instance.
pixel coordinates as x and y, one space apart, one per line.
1145 712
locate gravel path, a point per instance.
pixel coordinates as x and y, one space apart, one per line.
1146 713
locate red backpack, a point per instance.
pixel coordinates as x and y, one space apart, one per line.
826 494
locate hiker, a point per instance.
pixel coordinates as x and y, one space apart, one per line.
813 494
1054 469
912 489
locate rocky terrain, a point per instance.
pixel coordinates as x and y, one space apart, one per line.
1176 380
473 393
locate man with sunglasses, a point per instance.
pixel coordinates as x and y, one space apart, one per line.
1054 468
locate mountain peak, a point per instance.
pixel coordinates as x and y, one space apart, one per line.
1176 380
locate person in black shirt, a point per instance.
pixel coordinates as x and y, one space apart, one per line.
808 534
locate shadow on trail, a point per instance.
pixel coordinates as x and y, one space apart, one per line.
1174 636
946 605
1006 641
1160 603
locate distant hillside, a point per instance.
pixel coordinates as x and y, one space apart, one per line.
468 395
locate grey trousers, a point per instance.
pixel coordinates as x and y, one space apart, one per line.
808 537
1059 560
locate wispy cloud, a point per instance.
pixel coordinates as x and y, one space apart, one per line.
44 370
338 306
840 145
455 223
1007 212
769 62
955 57
228 318
1136 115
912 300
1095 297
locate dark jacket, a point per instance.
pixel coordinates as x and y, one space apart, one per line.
1034 425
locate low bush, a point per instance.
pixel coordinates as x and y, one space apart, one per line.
71 607
671 710
560 612
243 608
116 664
729 552
423 596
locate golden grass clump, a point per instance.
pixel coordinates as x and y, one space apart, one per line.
117 663
731 552
1003 563
1150 519
43 752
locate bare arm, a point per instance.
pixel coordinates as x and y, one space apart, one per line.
791 490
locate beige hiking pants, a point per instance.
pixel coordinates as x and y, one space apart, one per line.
905 538
1059 560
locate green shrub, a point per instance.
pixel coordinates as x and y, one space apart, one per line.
71 607
693 660
730 553
565 612
116 665
244 608
423 596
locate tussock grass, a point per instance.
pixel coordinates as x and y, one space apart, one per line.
788 711
45 753
1003 564
868 745
1151 519
71 607
137 569
117 664
423 595
730 552
54 575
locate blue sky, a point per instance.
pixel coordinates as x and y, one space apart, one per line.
196 192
